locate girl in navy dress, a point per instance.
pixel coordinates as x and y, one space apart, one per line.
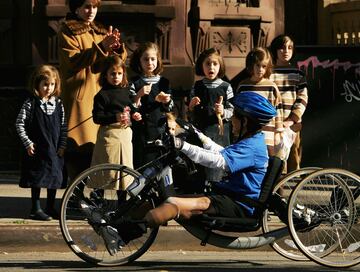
209 107
41 127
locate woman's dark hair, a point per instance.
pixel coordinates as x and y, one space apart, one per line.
135 63
109 62
202 57
257 55
75 4
278 43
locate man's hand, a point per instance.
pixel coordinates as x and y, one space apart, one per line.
188 127
178 143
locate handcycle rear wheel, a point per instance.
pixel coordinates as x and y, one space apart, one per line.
323 218
285 246
82 236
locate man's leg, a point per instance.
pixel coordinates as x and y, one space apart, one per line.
186 204
175 207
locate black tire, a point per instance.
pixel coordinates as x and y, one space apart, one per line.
323 218
82 236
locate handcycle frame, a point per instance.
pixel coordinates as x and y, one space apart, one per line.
152 186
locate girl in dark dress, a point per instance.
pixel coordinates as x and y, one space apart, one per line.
152 95
209 107
41 127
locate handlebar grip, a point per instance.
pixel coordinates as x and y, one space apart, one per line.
154 143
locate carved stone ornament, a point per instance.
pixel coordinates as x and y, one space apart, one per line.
231 41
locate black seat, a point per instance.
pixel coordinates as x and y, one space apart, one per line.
253 223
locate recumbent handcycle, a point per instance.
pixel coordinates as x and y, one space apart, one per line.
309 214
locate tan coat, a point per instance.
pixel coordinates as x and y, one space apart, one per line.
80 56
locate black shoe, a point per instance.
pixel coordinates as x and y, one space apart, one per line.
97 197
305 219
40 215
53 213
91 212
112 239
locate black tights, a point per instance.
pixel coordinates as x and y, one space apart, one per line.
35 199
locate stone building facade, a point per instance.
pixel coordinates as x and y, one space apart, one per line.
339 22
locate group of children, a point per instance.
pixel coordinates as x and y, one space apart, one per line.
270 74
131 113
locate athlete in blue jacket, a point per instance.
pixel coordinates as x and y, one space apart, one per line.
246 162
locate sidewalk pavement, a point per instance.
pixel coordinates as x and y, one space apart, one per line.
20 234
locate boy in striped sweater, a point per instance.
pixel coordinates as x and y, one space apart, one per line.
259 67
294 94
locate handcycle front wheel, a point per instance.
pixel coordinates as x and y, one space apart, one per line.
323 218
96 187
285 246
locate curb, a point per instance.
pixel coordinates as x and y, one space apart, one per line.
19 235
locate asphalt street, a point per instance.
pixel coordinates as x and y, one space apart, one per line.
164 261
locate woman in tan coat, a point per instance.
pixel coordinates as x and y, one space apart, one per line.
83 45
